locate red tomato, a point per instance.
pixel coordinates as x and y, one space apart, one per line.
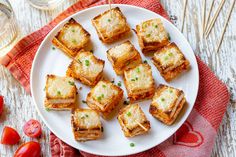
10 136
32 128
28 149
1 104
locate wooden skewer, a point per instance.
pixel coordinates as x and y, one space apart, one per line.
203 17
225 25
208 16
214 18
183 15
145 129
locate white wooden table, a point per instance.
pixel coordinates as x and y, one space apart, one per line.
20 108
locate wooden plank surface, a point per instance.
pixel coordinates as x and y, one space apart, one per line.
19 106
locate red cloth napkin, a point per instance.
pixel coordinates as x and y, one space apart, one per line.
196 136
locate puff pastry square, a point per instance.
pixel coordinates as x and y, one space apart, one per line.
170 61
104 97
111 25
123 57
151 35
167 104
71 38
139 82
86 125
60 93
133 121
87 68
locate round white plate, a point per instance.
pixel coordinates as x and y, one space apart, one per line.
49 61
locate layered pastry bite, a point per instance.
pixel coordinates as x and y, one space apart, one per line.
86 125
60 93
170 61
139 82
167 104
86 68
71 38
151 35
133 120
123 57
111 25
104 97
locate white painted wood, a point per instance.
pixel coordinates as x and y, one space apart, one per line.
19 106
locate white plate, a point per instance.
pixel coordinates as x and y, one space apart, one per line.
49 61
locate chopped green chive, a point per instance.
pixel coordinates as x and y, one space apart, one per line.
79 61
155 26
170 54
138 70
104 86
112 81
86 115
126 102
119 84
169 36
47 109
53 48
145 62
109 20
136 78
71 83
166 58
87 62
99 98
132 79
83 101
129 114
58 93
171 91
73 30
132 144
102 95
162 99
82 117
74 41
148 35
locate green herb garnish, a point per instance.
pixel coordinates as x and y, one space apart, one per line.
53 48
58 93
86 115
148 35
73 30
99 98
109 20
47 109
155 26
71 83
136 78
83 101
138 70
129 114
87 62
119 84
131 144
104 86
166 58
74 41
102 95
170 54
132 79
112 81
169 36
162 99
145 62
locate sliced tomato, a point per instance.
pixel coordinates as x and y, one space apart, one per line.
1 104
9 136
28 149
32 128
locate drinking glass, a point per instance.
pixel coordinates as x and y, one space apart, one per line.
45 4
8 27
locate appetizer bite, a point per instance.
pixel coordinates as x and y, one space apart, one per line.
60 93
151 35
86 125
86 68
123 57
170 61
133 121
111 25
139 82
71 38
104 97
167 104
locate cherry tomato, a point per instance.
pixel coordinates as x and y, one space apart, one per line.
28 149
1 104
10 136
32 128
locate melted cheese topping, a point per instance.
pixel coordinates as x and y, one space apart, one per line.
169 57
89 68
60 86
103 92
73 36
153 31
111 21
87 119
133 115
121 50
139 77
165 99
